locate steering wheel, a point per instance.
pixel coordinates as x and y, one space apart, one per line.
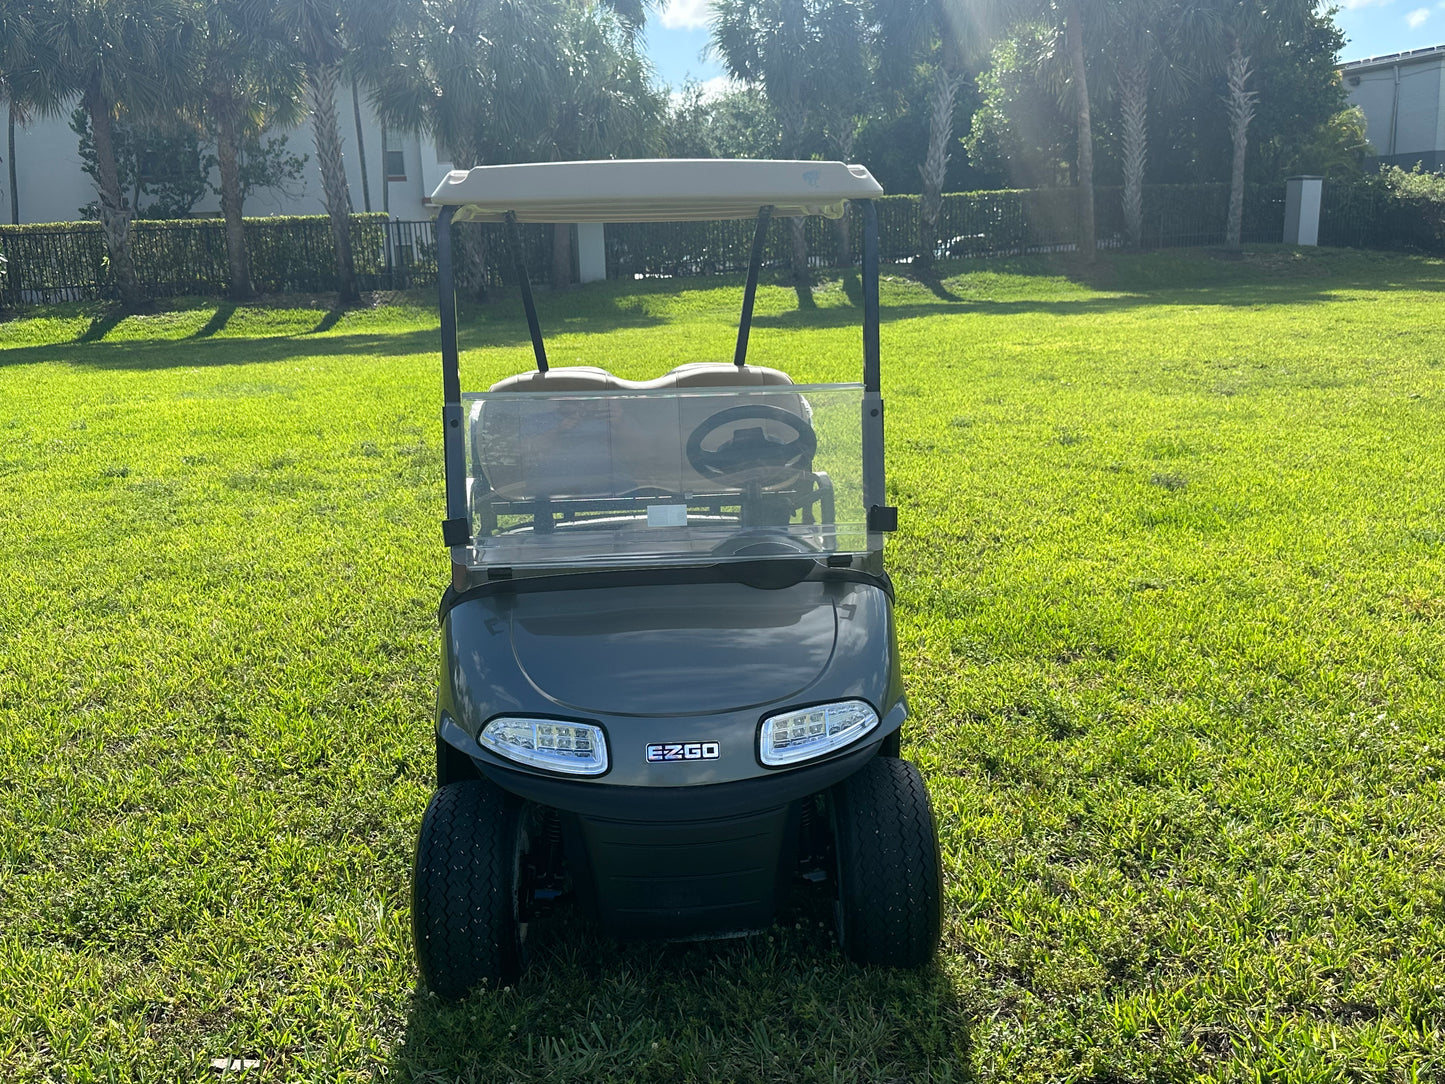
750 455
762 542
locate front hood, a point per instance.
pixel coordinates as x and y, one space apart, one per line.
673 651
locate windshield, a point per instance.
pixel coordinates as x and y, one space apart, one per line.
668 476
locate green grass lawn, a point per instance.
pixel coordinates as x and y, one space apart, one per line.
1172 607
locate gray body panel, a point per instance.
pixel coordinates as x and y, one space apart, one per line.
667 663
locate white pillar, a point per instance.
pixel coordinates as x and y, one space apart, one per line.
1302 197
591 252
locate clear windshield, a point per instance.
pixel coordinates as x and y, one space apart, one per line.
677 475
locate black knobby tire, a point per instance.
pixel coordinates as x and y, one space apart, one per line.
890 880
464 903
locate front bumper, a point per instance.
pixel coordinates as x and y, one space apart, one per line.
682 862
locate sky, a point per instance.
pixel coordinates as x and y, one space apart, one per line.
677 33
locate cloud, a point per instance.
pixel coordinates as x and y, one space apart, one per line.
717 86
712 88
1417 18
1351 5
686 14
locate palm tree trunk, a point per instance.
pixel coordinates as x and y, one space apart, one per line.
802 274
1074 42
360 146
472 244
842 241
792 116
1241 112
842 227
14 189
321 82
1134 112
935 166
561 255
114 214
228 162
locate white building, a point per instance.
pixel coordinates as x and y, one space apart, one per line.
53 187
1403 99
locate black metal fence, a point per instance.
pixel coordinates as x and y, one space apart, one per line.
68 262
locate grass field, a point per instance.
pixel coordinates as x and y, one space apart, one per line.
1172 604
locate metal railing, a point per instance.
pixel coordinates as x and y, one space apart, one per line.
69 262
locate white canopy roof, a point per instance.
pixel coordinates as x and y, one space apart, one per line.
653 190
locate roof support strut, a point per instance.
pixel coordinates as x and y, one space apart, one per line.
447 305
881 515
872 374
455 529
750 291
514 242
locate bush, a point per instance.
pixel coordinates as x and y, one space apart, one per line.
1416 206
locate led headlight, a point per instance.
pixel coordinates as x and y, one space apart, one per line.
812 732
574 748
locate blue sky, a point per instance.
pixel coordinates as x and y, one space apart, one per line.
1377 27
677 33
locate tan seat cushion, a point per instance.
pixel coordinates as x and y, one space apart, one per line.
583 447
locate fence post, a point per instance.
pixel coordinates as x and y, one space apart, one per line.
1302 210
591 252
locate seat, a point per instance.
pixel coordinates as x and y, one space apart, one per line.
549 451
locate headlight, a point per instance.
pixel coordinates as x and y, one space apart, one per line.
799 735
574 748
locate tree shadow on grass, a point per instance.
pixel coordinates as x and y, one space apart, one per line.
936 285
1266 277
218 321
1271 278
329 320
101 325
493 325
778 1006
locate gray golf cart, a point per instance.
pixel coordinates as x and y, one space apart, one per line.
670 685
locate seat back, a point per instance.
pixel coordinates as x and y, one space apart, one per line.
606 446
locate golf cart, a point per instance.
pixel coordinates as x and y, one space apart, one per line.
670 685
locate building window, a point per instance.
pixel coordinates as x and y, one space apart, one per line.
395 166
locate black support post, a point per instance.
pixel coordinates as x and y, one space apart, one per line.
872 375
447 306
514 241
456 532
750 291
881 516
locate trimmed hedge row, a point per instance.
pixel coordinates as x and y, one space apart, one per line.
68 261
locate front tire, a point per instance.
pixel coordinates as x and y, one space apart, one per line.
466 889
890 879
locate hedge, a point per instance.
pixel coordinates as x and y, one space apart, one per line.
68 261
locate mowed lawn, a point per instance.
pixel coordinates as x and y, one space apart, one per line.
1171 595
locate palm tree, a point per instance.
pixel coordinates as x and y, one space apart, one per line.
1074 31
602 102
949 36
474 74
777 44
1226 34
1067 28
320 32
130 57
21 81
1239 25
249 79
1139 35
848 38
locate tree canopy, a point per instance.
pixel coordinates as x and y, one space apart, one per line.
934 95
